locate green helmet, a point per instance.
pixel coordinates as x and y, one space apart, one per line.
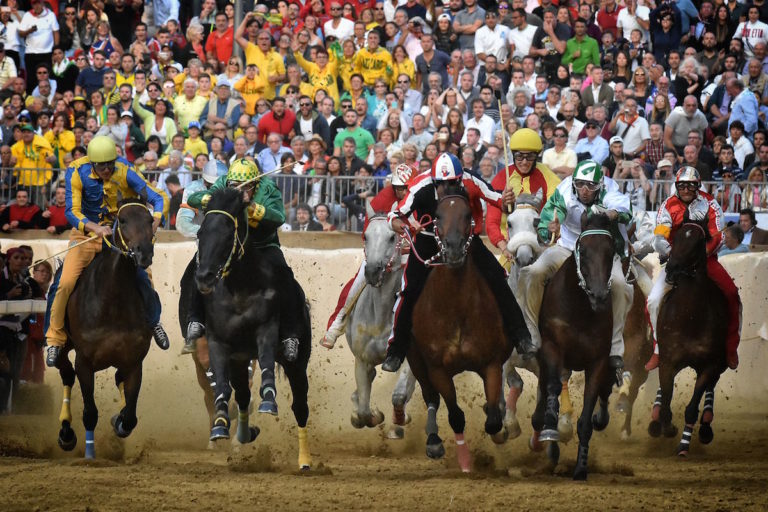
588 171
242 170
102 149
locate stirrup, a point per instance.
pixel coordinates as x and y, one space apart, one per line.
161 338
52 356
291 349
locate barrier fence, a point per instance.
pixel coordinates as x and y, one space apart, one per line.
346 196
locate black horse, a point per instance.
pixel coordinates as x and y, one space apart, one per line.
692 330
576 326
106 325
242 312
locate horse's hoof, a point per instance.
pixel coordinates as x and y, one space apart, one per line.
654 428
501 436
670 431
435 451
117 426
219 432
707 416
565 428
396 433
268 407
67 438
513 429
600 423
553 453
580 473
254 433
624 435
376 419
549 434
356 421
682 453
534 443
705 433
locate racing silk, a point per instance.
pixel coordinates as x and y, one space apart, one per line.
540 178
266 213
421 199
188 219
565 204
89 199
672 211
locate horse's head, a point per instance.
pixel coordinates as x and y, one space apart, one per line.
382 250
594 258
219 238
521 226
689 249
133 234
454 226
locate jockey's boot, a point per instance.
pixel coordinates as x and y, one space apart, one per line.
527 349
52 356
161 338
195 330
652 363
291 349
732 359
329 340
617 363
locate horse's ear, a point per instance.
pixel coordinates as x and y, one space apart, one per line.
584 219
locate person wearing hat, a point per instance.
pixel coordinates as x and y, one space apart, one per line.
195 145
94 184
220 109
593 145
7 67
79 105
134 143
34 160
616 156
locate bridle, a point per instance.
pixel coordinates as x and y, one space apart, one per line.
577 256
440 247
238 245
690 272
120 240
395 251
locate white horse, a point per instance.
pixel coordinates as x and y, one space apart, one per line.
370 323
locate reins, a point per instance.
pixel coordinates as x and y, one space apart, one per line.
577 256
125 251
395 251
238 246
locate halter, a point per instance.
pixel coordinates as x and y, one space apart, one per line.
441 248
577 255
395 251
690 272
238 246
125 251
704 233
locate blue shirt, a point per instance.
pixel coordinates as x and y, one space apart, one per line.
744 108
598 148
269 161
739 249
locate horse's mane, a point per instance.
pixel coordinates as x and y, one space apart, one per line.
226 199
453 189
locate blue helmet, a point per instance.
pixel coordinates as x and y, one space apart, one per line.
446 168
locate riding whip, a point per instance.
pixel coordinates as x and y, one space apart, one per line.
273 171
504 143
89 239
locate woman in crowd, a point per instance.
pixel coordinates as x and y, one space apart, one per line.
401 64
61 138
113 128
640 85
622 69
661 110
34 366
156 121
323 215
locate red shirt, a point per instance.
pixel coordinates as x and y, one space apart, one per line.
58 216
221 44
24 214
607 20
284 126
671 216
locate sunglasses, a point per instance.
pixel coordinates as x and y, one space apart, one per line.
405 82
531 157
305 104
560 136
591 127
692 186
346 106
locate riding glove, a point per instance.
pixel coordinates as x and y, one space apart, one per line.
661 246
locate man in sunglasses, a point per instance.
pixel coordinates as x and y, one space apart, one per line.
585 190
699 206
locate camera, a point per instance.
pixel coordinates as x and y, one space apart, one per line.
662 174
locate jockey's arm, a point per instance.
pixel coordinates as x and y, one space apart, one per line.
267 209
662 231
74 208
493 217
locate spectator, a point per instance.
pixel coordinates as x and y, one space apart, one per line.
269 159
92 79
189 106
560 159
175 194
728 194
323 215
571 124
727 163
467 22
34 159
744 106
691 157
593 146
742 147
54 215
682 121
8 69
752 31
363 139
748 224
40 28
22 214
581 49
733 241
278 120
176 168
521 36
631 128
304 220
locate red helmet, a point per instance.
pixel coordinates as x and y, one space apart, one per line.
401 175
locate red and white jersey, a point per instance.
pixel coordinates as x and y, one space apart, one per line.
384 202
672 212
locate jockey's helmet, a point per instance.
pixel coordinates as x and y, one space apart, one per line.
213 170
446 168
687 178
689 174
102 149
525 139
589 174
242 170
401 175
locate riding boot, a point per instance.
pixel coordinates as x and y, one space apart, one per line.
160 336
52 356
195 330
617 363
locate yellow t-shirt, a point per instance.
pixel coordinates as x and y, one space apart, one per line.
325 79
269 64
252 91
373 65
120 79
195 147
407 67
61 145
32 168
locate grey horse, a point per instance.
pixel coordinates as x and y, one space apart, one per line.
370 324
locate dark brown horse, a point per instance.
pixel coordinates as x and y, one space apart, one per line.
691 332
107 327
460 329
576 326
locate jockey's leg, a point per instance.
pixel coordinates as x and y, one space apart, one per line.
152 308
622 294
495 277
642 277
530 288
653 305
349 295
291 302
74 263
720 276
414 277
196 308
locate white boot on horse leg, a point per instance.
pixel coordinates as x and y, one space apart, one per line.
401 395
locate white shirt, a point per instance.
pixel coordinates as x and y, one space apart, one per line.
636 136
628 22
573 134
522 40
345 29
485 125
41 40
751 34
492 42
741 149
9 34
306 127
389 9
566 158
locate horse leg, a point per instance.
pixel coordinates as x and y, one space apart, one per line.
662 424
552 389
239 380
443 383
297 378
515 390
601 418
363 417
493 381
435 448
635 381
595 377
537 419
565 422
90 412
401 395
219 358
708 413
268 389
124 422
67 438
703 381
205 385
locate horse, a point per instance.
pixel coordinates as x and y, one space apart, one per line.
370 323
464 333
106 326
691 333
576 327
240 291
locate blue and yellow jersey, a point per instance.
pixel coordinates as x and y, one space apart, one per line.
90 199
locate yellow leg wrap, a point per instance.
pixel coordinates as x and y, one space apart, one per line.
66 412
305 459
566 407
121 387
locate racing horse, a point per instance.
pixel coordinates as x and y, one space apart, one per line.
106 326
576 325
691 332
370 322
242 312
464 330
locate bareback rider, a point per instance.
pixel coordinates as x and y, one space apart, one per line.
670 217
576 194
422 198
384 201
524 176
94 185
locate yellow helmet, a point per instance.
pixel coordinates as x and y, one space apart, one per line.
102 149
243 170
525 139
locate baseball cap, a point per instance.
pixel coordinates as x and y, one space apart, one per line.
126 113
223 83
78 98
616 140
591 122
663 163
444 16
27 128
193 124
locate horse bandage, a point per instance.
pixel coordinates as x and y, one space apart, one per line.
256 212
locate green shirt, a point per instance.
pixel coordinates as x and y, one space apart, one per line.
363 139
589 53
266 213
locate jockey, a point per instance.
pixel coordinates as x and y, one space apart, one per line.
266 213
187 220
422 197
384 201
94 185
525 176
586 188
700 206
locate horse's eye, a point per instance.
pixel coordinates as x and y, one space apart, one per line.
392 237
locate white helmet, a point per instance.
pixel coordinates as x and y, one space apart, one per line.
213 170
401 175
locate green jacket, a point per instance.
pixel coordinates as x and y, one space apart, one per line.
266 212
